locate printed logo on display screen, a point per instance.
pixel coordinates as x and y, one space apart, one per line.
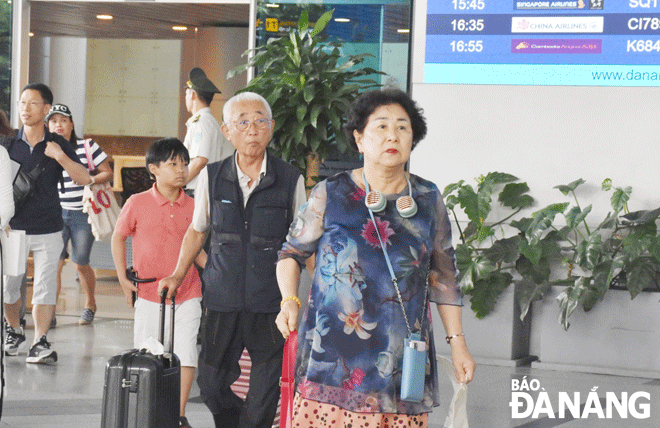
530 399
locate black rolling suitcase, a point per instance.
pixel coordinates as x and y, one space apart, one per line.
143 390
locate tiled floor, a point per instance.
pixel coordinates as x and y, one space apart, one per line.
69 393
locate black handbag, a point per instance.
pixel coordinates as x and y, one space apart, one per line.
25 184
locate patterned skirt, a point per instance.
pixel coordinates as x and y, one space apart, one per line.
314 414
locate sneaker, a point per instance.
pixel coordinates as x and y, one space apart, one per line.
183 422
13 340
40 353
87 317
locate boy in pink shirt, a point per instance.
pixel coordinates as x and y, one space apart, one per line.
157 220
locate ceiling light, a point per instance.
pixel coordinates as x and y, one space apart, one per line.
31 34
403 30
342 20
179 28
272 5
104 17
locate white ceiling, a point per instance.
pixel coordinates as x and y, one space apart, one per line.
132 20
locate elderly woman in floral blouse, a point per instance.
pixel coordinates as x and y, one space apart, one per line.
350 348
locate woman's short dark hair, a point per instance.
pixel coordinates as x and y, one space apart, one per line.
370 101
164 150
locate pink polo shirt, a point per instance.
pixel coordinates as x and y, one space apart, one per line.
157 227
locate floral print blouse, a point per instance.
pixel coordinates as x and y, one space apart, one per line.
351 336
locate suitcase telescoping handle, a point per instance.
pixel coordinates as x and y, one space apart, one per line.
132 275
161 328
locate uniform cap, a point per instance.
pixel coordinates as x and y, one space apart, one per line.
198 82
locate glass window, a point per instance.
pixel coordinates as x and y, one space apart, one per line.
380 28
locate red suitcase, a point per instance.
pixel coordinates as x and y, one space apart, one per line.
143 390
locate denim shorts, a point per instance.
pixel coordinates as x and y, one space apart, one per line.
79 231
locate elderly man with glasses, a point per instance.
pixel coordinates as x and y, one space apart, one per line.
247 202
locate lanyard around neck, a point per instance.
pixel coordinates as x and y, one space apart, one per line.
391 269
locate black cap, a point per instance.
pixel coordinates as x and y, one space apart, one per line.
198 82
58 109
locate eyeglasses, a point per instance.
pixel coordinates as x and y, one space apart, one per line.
31 104
259 124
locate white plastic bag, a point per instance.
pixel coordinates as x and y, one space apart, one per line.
457 413
14 254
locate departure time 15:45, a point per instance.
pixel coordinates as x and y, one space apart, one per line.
469 4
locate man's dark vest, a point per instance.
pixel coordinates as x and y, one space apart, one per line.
240 272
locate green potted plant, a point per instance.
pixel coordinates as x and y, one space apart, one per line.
485 257
310 86
556 251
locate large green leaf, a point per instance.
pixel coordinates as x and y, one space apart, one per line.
504 250
654 248
641 274
303 21
483 233
575 216
638 241
643 216
541 221
301 111
589 251
567 188
469 202
451 188
452 200
538 272
314 115
620 198
478 268
533 253
322 22
513 196
500 177
569 299
522 224
602 278
528 291
486 292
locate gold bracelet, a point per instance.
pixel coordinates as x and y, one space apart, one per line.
294 298
449 338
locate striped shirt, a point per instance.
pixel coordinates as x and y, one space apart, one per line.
71 199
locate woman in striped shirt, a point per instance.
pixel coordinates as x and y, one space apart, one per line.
76 227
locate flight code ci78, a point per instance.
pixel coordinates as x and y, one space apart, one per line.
644 23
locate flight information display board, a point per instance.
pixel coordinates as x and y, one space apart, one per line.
545 42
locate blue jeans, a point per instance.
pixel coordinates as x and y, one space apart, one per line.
79 231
